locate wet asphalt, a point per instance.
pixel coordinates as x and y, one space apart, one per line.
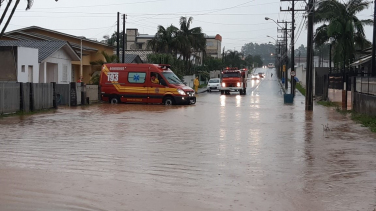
227 152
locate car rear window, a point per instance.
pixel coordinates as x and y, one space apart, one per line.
213 81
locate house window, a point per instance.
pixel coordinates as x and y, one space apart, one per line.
65 73
23 68
140 46
136 77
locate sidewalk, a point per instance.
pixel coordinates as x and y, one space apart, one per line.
201 90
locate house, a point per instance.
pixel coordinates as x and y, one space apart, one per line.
91 49
37 61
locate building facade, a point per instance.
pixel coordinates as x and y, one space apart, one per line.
137 41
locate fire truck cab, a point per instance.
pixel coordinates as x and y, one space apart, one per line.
233 79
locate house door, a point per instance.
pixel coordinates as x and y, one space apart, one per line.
30 74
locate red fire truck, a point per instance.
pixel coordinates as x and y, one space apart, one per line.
233 79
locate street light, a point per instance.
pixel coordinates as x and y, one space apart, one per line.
271 37
266 18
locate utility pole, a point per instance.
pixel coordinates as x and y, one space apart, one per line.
124 40
373 71
309 73
118 37
292 10
285 75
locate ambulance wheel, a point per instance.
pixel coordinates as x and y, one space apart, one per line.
114 100
168 101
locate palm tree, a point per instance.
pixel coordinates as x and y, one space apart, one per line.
10 17
164 40
5 11
190 40
234 59
29 4
340 22
106 59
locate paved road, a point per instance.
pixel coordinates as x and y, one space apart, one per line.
227 152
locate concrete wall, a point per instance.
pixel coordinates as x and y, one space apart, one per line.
301 75
365 104
9 97
27 65
188 79
215 74
42 96
92 92
25 97
63 94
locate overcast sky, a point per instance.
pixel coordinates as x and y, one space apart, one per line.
237 21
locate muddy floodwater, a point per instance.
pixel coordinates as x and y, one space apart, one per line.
231 152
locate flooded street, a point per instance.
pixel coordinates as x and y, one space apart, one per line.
229 152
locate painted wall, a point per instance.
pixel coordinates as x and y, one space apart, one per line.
55 67
27 65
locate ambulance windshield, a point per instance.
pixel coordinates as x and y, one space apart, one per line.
172 78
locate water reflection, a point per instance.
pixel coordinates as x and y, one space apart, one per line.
223 100
238 100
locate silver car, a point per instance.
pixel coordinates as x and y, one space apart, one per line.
213 84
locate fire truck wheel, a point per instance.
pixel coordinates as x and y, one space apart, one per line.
244 91
168 101
241 92
114 100
222 92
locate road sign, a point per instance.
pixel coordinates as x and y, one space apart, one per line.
292 73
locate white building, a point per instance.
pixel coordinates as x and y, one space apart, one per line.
37 61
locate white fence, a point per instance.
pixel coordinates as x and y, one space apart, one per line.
366 85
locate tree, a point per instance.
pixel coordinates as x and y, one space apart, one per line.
106 59
190 40
29 4
111 41
213 63
340 22
165 40
183 42
264 50
234 59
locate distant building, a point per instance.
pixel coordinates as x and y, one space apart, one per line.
136 41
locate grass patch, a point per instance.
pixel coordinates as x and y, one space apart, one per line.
202 85
301 89
327 103
364 120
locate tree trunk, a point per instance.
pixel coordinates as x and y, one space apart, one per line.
5 11
9 18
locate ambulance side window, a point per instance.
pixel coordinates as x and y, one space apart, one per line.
136 77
